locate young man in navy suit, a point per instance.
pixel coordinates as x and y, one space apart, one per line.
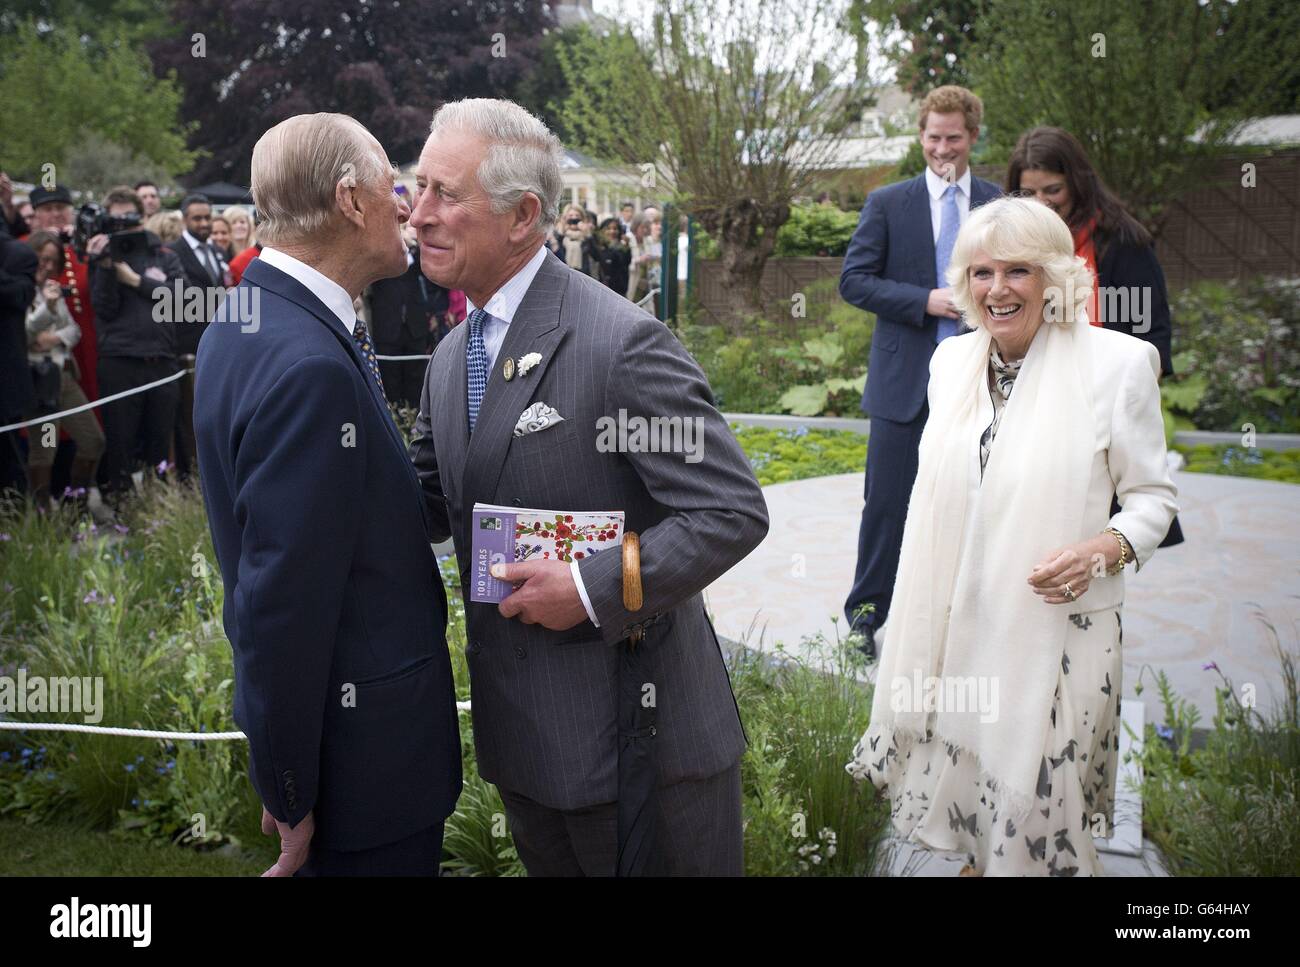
333 601
895 268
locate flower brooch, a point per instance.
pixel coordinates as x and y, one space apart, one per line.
526 362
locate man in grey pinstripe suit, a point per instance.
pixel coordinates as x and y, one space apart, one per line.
544 663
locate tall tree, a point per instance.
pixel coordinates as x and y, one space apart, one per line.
59 86
742 104
930 38
247 65
1132 80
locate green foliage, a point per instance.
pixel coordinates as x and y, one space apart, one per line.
1228 808
821 230
804 815
780 456
1281 465
816 369
59 87
1137 108
929 42
1237 356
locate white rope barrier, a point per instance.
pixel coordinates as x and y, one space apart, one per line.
51 417
139 733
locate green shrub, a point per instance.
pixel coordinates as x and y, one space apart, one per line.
1237 356
814 367
1228 808
804 814
780 456
1282 465
815 230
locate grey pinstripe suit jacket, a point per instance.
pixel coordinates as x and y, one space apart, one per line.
544 701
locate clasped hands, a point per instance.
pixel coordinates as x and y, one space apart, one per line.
1074 566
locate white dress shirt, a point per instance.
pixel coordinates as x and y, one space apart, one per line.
322 287
504 303
937 186
203 252
501 308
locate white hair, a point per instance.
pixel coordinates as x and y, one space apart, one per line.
522 155
1021 230
297 166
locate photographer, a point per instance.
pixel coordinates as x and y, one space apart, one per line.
128 265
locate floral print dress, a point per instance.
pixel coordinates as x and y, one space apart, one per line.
937 797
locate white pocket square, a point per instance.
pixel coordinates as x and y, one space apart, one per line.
539 416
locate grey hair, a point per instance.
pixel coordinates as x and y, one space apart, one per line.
1021 230
298 164
522 155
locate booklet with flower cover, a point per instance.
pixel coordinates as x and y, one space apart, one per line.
510 535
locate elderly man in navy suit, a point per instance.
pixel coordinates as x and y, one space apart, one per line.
895 268
333 601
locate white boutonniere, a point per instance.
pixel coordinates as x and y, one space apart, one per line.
528 361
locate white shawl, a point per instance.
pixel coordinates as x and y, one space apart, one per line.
962 608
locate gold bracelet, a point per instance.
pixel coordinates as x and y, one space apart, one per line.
1125 551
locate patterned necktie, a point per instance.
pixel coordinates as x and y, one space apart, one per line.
476 364
362 336
949 223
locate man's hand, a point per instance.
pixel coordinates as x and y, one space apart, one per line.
544 594
95 247
940 304
127 275
294 843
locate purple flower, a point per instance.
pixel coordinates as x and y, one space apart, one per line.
4 536
1208 666
121 529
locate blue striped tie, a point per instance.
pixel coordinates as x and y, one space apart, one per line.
476 364
949 223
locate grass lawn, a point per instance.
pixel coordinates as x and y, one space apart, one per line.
36 850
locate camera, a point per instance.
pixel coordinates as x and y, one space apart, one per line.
124 237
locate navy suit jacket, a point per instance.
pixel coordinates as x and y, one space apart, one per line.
333 602
889 270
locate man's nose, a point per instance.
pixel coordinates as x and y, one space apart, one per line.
403 211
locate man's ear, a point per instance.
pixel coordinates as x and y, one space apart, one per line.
528 215
347 198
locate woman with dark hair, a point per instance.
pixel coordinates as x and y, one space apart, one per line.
1050 165
613 256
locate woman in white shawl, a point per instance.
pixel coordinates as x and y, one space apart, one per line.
995 722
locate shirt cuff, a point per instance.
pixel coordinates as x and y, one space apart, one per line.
582 592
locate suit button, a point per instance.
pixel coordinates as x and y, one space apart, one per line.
475 647
517 502
519 652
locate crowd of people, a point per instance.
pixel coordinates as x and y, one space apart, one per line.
84 324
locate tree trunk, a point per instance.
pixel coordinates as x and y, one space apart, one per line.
746 236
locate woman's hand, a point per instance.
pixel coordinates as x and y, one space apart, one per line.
47 340
51 292
1075 565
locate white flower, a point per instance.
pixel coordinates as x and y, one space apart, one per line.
528 361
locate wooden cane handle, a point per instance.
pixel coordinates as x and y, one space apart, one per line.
632 600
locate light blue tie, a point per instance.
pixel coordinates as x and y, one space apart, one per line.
476 364
949 224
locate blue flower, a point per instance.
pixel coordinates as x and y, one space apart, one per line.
1165 732
130 767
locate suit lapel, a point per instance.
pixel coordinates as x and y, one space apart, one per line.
536 328
918 214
